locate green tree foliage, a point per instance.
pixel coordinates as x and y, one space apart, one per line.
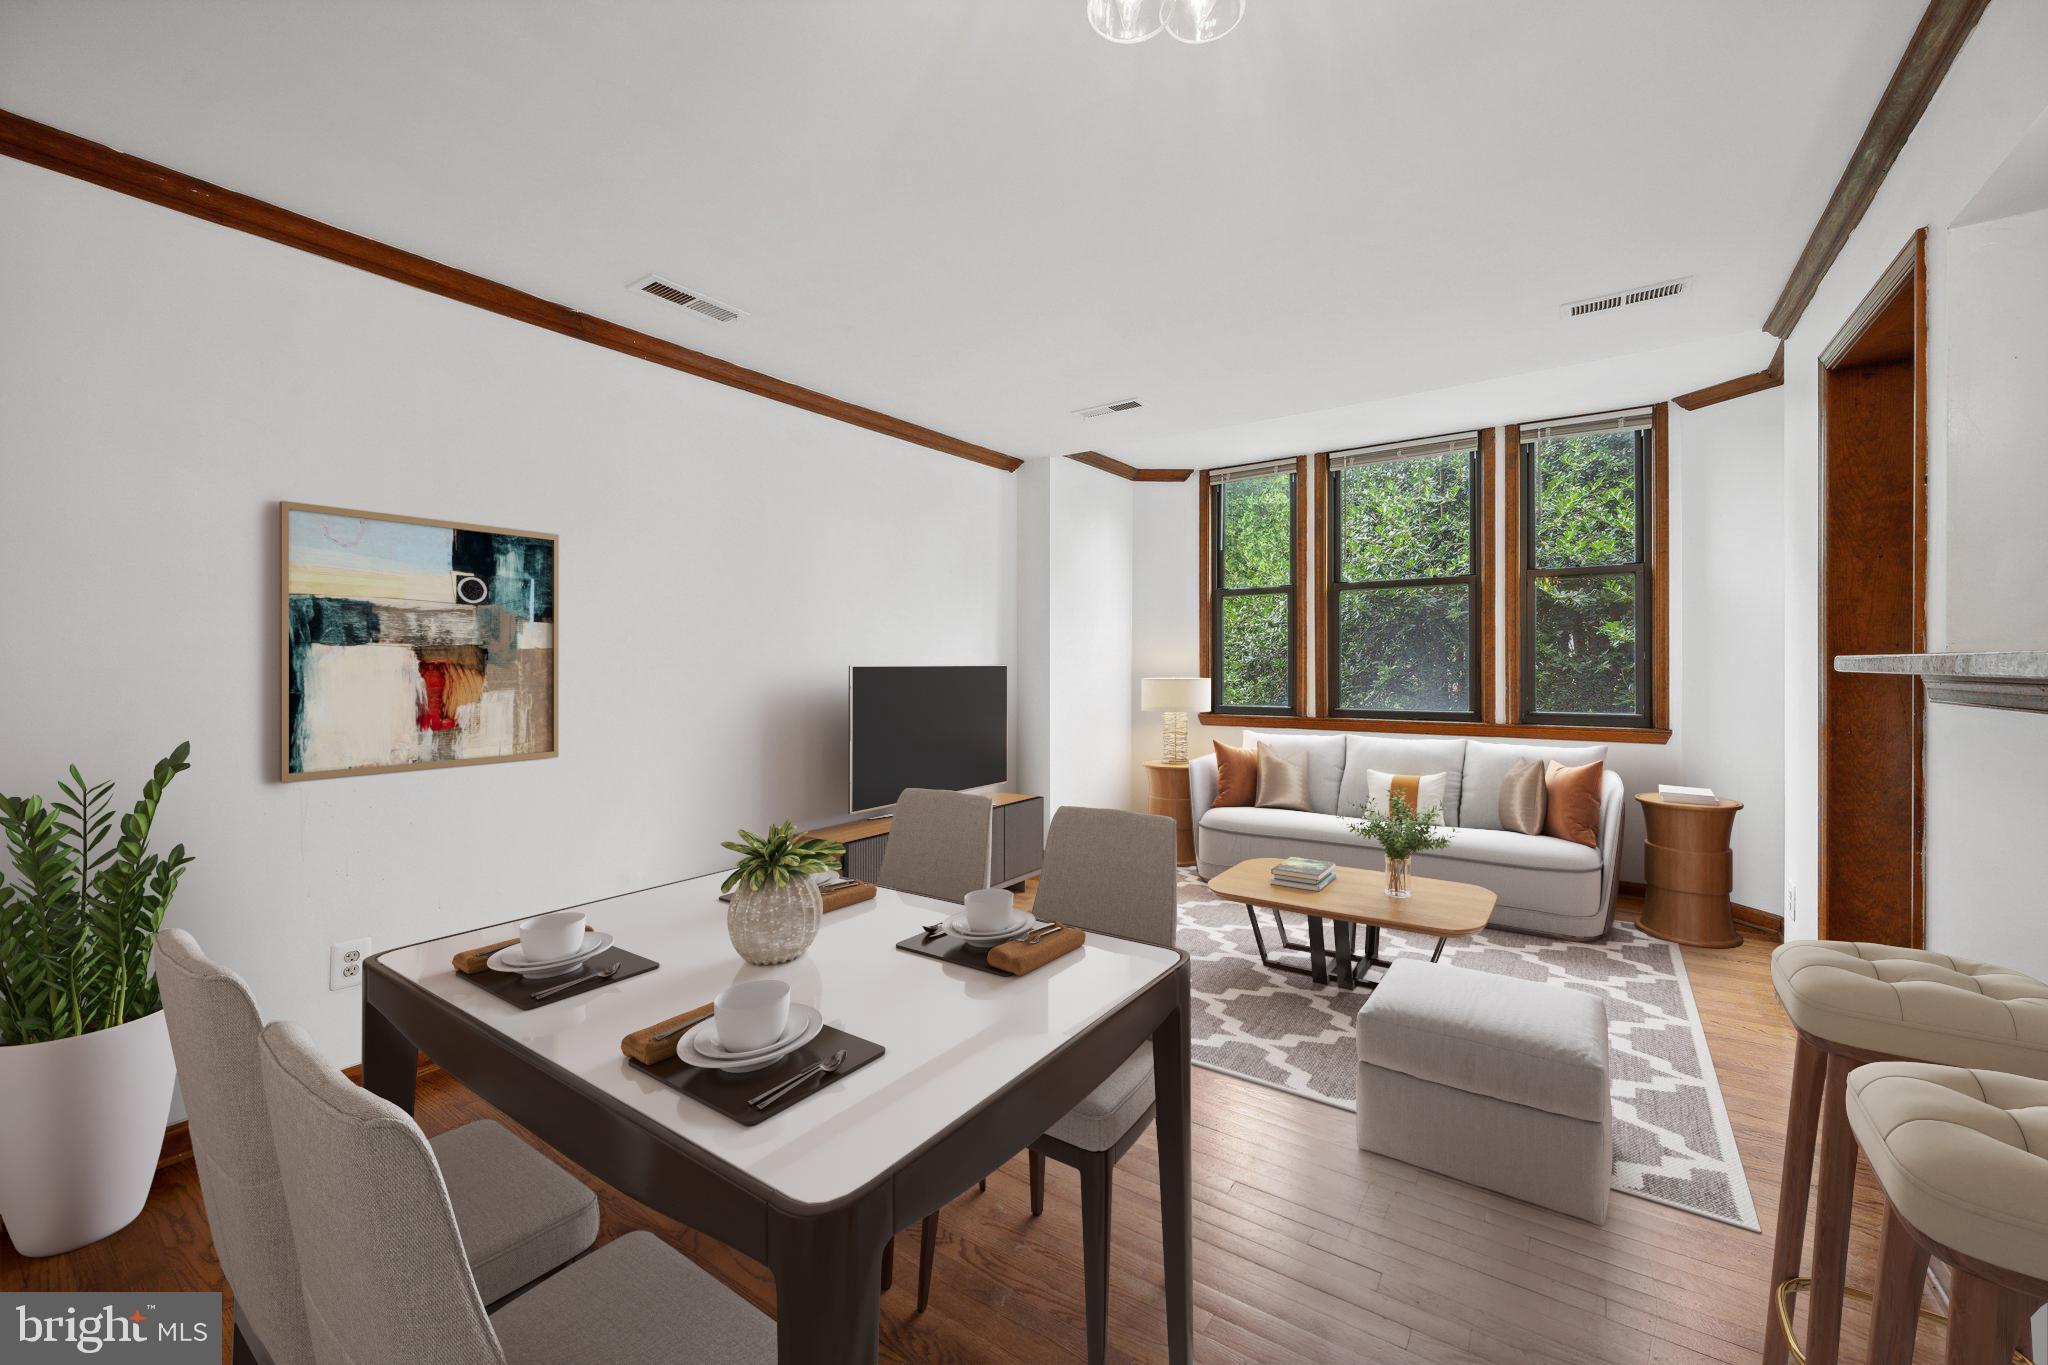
1584 626
1408 648
1258 552
79 918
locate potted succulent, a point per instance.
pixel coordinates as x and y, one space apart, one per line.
85 1060
776 904
1401 834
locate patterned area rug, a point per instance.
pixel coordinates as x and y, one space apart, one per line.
1672 1143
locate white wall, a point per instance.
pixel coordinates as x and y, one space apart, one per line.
1729 610
164 382
1725 503
1991 97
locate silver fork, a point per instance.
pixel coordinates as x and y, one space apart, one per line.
825 1068
604 974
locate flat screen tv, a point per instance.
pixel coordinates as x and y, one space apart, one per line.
945 727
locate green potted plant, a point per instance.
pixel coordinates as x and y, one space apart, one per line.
1401 834
85 1060
776 904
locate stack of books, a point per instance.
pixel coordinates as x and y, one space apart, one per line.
1304 874
1691 796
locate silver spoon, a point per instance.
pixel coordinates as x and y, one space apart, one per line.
825 1068
605 974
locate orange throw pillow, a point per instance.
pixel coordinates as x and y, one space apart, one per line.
1237 774
1571 802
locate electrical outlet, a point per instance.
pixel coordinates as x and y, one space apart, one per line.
345 963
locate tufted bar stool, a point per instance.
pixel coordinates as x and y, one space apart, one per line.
1853 1003
1963 1159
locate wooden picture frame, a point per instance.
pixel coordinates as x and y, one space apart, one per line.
457 667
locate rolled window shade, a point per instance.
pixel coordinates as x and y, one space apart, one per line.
1634 419
1251 471
1462 444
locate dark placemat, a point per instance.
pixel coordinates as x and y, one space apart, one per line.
519 991
728 1091
946 948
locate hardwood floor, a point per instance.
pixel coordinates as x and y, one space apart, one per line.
1307 1249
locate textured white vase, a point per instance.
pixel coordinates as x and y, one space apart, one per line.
80 1133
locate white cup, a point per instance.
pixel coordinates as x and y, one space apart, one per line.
750 1014
557 934
989 910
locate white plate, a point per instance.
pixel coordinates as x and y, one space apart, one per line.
718 1052
805 1023
956 925
512 960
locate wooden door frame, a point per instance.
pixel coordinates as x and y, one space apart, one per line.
1908 271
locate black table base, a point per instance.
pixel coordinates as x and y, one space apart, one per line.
1353 968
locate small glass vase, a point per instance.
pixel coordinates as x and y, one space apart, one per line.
1397 877
775 923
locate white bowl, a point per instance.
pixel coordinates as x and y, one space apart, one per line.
990 910
555 935
750 1014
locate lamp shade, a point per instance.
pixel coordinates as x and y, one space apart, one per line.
1174 694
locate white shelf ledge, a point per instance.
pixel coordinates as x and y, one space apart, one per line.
2011 679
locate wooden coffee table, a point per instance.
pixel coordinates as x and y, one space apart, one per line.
1357 897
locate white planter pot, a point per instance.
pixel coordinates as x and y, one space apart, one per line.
81 1127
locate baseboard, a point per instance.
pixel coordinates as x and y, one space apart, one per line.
1762 922
178 1136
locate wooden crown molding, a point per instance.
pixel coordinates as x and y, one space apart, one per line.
1769 377
1109 464
1929 54
56 150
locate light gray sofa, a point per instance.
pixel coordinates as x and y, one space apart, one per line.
1546 886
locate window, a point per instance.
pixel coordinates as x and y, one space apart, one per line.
1405 538
1585 552
1253 574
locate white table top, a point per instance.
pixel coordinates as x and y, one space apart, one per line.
954 1036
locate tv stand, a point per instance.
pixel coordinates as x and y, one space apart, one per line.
1016 844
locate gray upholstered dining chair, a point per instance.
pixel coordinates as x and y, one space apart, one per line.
521 1214
938 844
384 1273
1107 872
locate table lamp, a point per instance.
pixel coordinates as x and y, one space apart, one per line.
1176 697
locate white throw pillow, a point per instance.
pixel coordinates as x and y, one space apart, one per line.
1402 754
1429 794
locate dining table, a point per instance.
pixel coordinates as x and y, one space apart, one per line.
975 1066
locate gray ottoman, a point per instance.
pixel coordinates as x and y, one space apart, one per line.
1490 1080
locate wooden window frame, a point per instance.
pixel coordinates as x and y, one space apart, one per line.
1213 593
1653 604
1479 583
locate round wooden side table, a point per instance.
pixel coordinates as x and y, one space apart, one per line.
1170 797
1688 871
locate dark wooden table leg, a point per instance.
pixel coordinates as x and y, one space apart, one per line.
1318 969
828 1282
391 1061
1174 1120
1347 969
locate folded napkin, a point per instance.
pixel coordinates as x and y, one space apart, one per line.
848 895
642 1047
470 961
1018 957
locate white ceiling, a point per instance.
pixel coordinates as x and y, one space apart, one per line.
979 215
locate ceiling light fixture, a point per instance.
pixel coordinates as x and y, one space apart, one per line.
1201 21
1191 21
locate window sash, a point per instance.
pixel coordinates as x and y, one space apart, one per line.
1475 666
1219 594
1637 569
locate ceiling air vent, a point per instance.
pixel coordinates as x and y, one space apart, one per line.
1607 303
687 298
1105 409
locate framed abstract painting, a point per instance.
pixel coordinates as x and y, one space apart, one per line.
411 643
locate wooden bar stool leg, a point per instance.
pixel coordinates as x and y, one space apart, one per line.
1831 1218
1984 1320
1802 1125
1901 1272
